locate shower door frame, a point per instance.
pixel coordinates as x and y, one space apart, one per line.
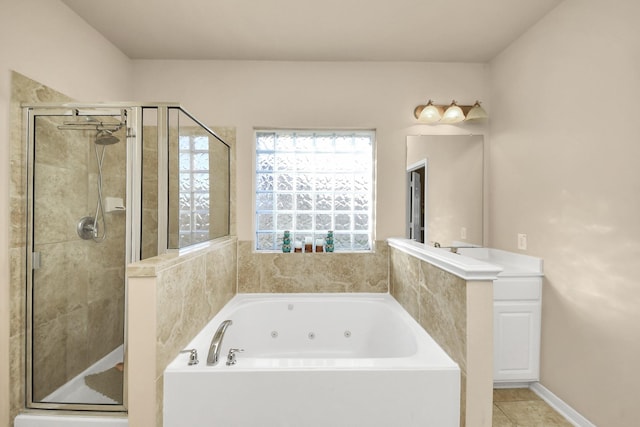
132 234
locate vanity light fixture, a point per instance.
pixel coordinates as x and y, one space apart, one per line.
453 113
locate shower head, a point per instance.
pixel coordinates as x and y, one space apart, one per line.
106 137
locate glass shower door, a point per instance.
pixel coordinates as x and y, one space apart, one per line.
77 239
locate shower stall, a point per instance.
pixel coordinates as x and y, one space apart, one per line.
107 185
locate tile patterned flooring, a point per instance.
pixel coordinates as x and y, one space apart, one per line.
521 407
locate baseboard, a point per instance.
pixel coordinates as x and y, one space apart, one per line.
558 404
510 385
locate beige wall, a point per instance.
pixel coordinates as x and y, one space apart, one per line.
377 95
564 170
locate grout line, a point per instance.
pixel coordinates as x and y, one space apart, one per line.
505 414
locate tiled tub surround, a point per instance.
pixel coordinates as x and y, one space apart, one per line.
171 297
269 272
315 360
451 297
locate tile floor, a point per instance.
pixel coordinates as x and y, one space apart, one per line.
521 407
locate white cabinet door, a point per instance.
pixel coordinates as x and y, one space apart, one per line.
516 341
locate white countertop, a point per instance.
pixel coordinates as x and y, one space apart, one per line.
473 263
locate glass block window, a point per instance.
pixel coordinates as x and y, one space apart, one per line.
194 188
310 182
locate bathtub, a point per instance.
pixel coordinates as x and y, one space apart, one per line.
315 360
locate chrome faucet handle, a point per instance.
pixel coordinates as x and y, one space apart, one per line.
193 356
231 357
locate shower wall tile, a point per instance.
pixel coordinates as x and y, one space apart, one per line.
24 90
59 202
17 291
105 283
58 274
149 244
16 373
49 368
106 321
18 220
62 148
74 347
274 272
159 400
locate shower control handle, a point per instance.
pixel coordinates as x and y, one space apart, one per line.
87 228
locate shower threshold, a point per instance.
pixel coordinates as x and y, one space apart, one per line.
77 391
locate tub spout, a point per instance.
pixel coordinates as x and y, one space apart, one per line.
216 343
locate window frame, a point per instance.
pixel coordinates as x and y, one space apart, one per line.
336 131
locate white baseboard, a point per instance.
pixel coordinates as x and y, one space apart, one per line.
558 404
511 385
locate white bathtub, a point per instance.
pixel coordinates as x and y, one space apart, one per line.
315 360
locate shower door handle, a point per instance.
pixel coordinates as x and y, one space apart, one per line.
35 260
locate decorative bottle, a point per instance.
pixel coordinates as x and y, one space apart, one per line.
286 242
328 242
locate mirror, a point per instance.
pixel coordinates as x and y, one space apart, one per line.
199 186
445 189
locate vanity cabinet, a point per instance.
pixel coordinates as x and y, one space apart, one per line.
517 302
516 329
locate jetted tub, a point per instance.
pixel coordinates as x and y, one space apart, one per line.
315 360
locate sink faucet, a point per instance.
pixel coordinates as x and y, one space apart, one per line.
216 343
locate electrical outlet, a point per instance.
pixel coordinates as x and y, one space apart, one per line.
463 233
522 242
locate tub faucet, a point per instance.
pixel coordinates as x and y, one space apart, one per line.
216 343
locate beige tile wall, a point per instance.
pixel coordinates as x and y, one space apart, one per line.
149 233
443 304
312 272
171 298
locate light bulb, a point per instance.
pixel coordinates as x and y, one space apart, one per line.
476 112
430 113
453 114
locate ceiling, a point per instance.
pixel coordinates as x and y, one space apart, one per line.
313 30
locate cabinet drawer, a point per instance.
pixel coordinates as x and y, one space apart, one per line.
517 289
